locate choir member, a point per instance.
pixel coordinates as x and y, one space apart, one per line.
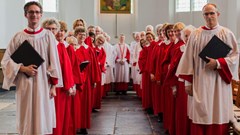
122 60
177 97
108 76
35 111
101 60
62 100
209 83
135 67
161 72
91 77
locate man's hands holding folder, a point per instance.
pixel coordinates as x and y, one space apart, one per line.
212 64
30 70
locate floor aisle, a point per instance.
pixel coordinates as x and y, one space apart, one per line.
120 115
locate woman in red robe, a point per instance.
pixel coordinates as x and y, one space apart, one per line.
63 98
91 77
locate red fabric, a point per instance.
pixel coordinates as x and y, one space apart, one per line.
146 82
214 129
35 32
175 55
97 92
154 55
97 96
143 59
66 67
91 76
121 86
224 72
53 80
189 78
62 100
128 56
78 77
161 72
101 58
88 41
181 117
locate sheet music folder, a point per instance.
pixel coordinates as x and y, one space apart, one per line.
83 65
215 49
27 55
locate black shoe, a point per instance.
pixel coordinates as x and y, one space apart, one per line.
124 92
83 131
160 117
94 110
117 93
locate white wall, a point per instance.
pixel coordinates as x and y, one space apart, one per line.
144 12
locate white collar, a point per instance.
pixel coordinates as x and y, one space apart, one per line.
33 30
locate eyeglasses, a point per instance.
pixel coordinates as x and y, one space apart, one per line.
209 13
32 12
52 29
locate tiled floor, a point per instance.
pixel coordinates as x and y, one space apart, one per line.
120 115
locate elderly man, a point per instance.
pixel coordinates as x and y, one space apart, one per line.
209 83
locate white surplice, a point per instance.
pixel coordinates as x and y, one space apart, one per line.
35 110
108 76
212 96
121 72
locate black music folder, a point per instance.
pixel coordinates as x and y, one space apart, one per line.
27 55
83 65
215 49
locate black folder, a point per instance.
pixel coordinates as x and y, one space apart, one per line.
27 55
215 49
83 65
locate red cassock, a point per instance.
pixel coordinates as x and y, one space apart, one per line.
161 72
91 76
157 94
98 91
143 62
76 106
63 100
88 41
178 122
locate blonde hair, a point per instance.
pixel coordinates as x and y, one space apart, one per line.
71 40
179 26
76 21
63 26
100 36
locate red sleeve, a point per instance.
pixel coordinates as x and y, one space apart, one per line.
224 72
66 67
53 80
95 69
171 78
75 65
128 55
142 60
88 41
102 60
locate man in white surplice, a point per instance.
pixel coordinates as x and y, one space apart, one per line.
209 83
34 95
